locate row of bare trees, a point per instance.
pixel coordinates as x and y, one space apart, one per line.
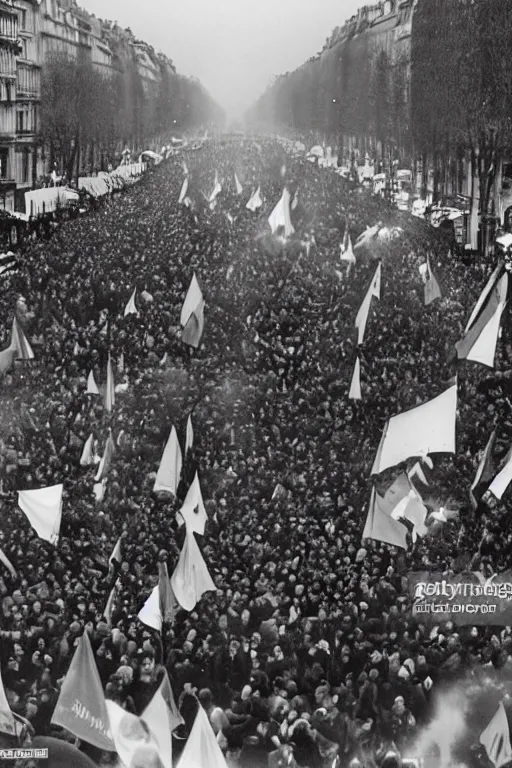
353 90
89 116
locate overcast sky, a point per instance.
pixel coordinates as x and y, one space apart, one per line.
233 46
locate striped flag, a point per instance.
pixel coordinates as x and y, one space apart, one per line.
485 472
496 738
482 331
20 343
8 262
432 289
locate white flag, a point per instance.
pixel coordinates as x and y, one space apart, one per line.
169 472
43 508
130 308
255 202
193 512
280 216
355 386
429 428
184 189
193 301
239 188
189 440
191 579
362 315
496 738
92 389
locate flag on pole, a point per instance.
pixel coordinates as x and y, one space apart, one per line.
192 302
193 512
381 526
166 599
109 608
19 342
355 386
169 472
184 190
7 722
92 388
110 397
189 440
116 553
133 738
362 315
106 459
484 473
429 428
191 579
280 216
194 328
81 707
166 692
159 721
496 738
501 482
5 561
482 332
43 508
255 201
150 613
130 308
217 189
432 289
202 748
7 357
239 188
87 457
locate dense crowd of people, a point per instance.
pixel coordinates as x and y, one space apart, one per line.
308 640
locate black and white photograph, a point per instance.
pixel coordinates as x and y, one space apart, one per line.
255 384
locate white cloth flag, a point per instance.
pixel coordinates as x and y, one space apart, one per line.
503 479
193 512
191 579
217 189
496 738
157 717
116 554
169 472
192 301
484 349
150 613
280 216
202 749
130 308
239 188
362 315
92 389
7 722
429 428
483 296
189 439
134 745
411 508
184 190
355 387
43 509
255 202
89 455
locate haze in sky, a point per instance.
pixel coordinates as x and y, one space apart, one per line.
234 47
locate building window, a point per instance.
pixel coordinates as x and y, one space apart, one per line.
23 19
25 165
4 163
20 122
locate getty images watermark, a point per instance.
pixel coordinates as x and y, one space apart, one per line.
23 754
461 599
